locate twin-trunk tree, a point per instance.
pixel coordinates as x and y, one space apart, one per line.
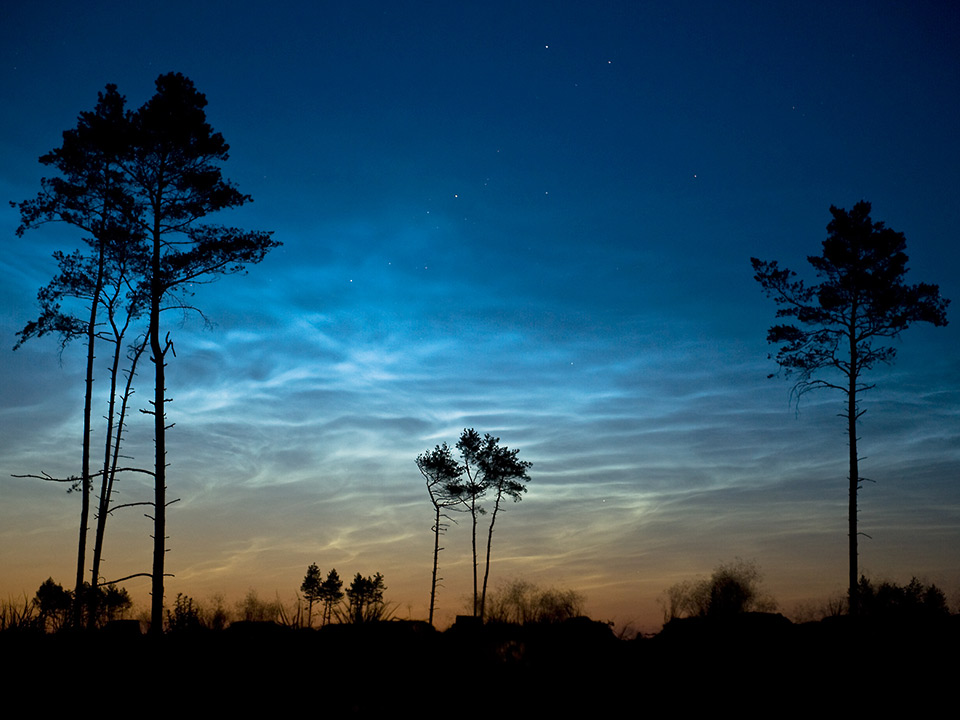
842 322
140 184
488 469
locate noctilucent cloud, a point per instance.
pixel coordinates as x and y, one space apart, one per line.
536 221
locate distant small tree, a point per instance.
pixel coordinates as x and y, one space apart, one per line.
443 475
841 324
185 616
311 587
331 593
54 605
365 599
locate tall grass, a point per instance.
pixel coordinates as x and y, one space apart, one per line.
18 614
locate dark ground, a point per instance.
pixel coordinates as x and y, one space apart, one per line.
749 665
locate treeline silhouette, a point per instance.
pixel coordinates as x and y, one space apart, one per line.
539 652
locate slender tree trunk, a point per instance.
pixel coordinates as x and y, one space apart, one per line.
473 514
108 444
486 567
112 459
159 430
85 480
854 599
104 484
436 562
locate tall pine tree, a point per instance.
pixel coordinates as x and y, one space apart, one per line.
840 325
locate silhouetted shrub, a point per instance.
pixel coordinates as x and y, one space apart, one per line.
519 601
253 609
732 589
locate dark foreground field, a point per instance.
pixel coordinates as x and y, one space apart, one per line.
752 665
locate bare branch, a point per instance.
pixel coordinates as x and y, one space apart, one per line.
126 505
49 478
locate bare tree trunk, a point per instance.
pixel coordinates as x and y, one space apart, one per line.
108 443
85 481
436 562
473 514
112 450
486 568
854 599
104 482
159 430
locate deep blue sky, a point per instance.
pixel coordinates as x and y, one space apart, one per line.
534 221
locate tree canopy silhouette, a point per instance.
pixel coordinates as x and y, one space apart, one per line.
840 324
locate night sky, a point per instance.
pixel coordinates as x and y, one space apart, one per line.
535 219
